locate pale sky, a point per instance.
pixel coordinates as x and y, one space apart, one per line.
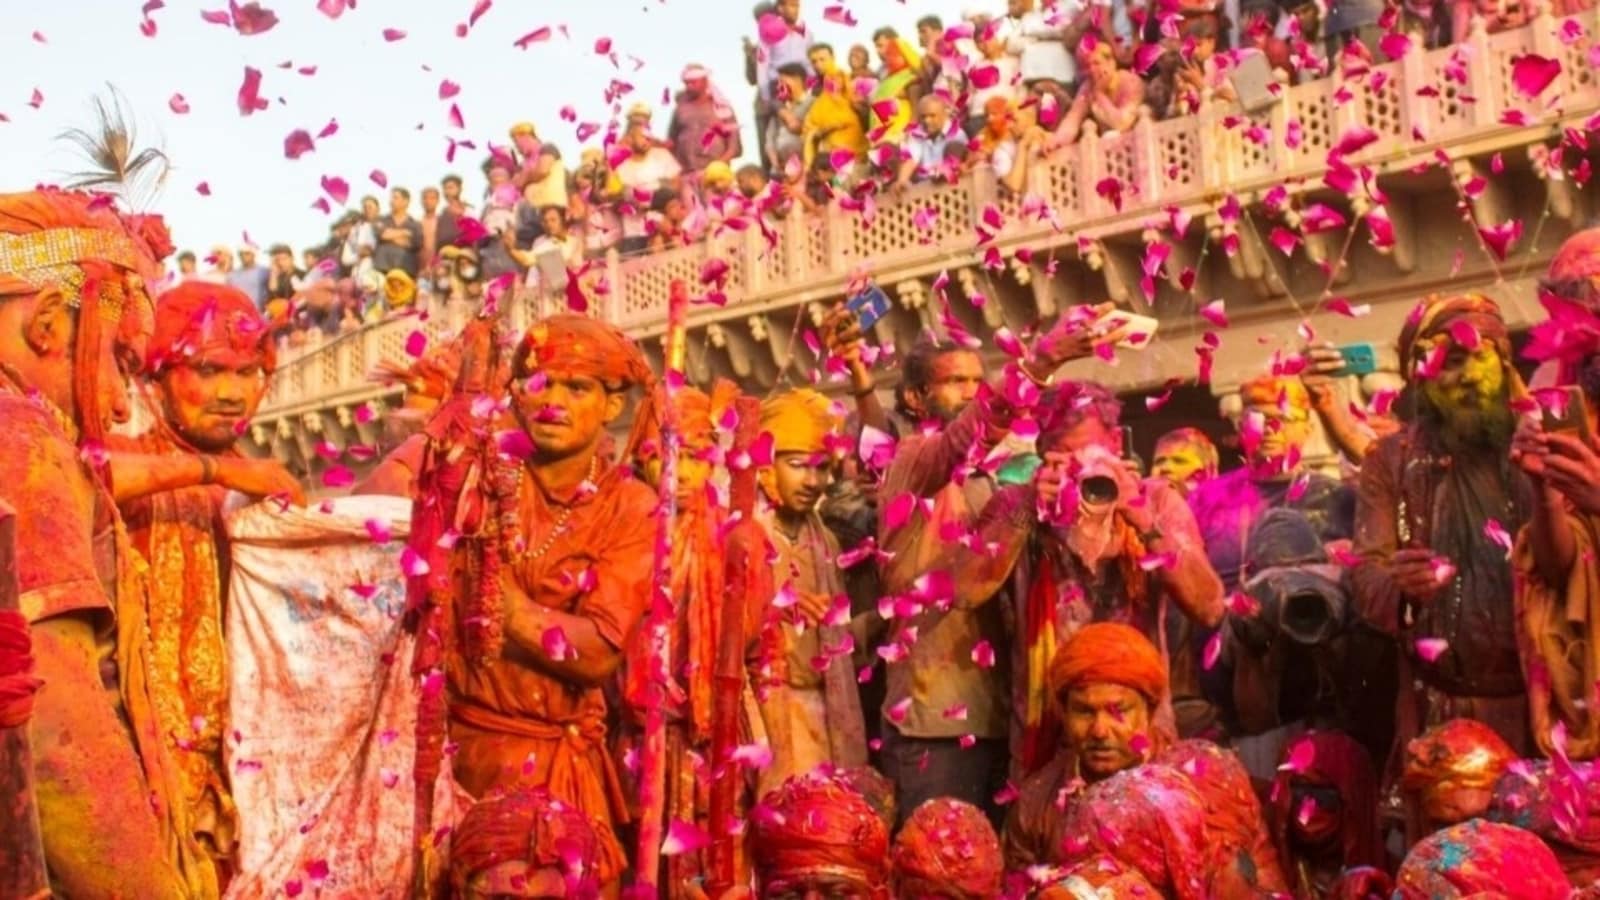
384 95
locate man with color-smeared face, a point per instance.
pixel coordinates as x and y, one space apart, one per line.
1433 571
1185 458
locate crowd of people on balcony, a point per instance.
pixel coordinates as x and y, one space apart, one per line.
1005 89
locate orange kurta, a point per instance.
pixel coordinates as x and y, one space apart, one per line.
180 537
516 724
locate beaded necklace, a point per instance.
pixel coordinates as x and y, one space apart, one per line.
531 556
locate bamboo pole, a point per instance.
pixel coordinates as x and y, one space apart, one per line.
22 869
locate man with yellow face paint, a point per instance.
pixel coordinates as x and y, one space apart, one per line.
1185 458
1436 502
812 713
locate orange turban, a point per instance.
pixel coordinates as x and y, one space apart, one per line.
799 421
698 414
1109 653
529 826
580 345
948 848
815 825
1461 753
1101 876
198 318
1272 390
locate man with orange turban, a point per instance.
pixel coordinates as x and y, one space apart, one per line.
815 834
72 303
812 711
205 373
947 850
1450 773
1107 681
523 843
697 594
1438 504
529 609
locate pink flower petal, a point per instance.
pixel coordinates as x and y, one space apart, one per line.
1532 73
338 477
1301 756
683 837
448 89
333 9
336 188
378 178
412 564
249 97
555 644
536 36
393 34
298 144
1500 238
178 104
1430 649
983 654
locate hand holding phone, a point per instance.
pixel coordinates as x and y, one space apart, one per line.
869 306
1571 415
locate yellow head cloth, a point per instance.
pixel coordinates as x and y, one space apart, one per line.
799 421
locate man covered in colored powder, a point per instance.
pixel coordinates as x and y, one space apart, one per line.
1108 679
1438 503
812 713
698 575
1086 540
1324 802
1481 859
539 612
815 836
72 306
206 368
1185 458
1245 860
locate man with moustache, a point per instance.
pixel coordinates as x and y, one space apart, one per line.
206 371
1436 504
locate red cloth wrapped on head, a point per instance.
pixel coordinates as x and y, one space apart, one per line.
1100 877
1149 818
1574 272
1481 857
1461 753
200 319
1235 829
525 826
1109 653
815 828
947 849
1331 759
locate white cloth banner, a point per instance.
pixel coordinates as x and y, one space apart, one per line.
323 709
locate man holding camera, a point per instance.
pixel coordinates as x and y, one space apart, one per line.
1085 540
945 707
1437 504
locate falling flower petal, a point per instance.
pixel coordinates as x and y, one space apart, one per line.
1215 312
1500 238
682 837
536 36
333 9
393 34
252 18
412 563
448 89
298 144
178 104
338 477
1301 757
1354 139
555 644
1430 649
336 188
1213 651
250 99
1532 73
378 178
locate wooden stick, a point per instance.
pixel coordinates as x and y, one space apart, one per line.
658 624
22 870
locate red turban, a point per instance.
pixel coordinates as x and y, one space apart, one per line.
1109 653
580 345
1149 818
1479 857
1461 753
1574 268
814 826
948 848
1336 760
1235 828
1558 802
198 318
1101 876
530 826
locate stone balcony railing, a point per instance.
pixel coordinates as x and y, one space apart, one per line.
1457 103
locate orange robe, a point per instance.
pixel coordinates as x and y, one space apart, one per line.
104 780
180 537
517 725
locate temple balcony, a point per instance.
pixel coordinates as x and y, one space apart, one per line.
1165 219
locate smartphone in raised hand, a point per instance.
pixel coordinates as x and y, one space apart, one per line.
869 306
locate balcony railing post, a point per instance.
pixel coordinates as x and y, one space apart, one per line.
612 301
1091 168
838 231
749 248
983 188
1482 85
1146 161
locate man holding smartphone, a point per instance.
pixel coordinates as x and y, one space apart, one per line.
1436 505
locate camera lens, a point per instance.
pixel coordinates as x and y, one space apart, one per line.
1098 489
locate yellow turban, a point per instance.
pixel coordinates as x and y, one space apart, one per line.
799 421
399 288
1272 390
